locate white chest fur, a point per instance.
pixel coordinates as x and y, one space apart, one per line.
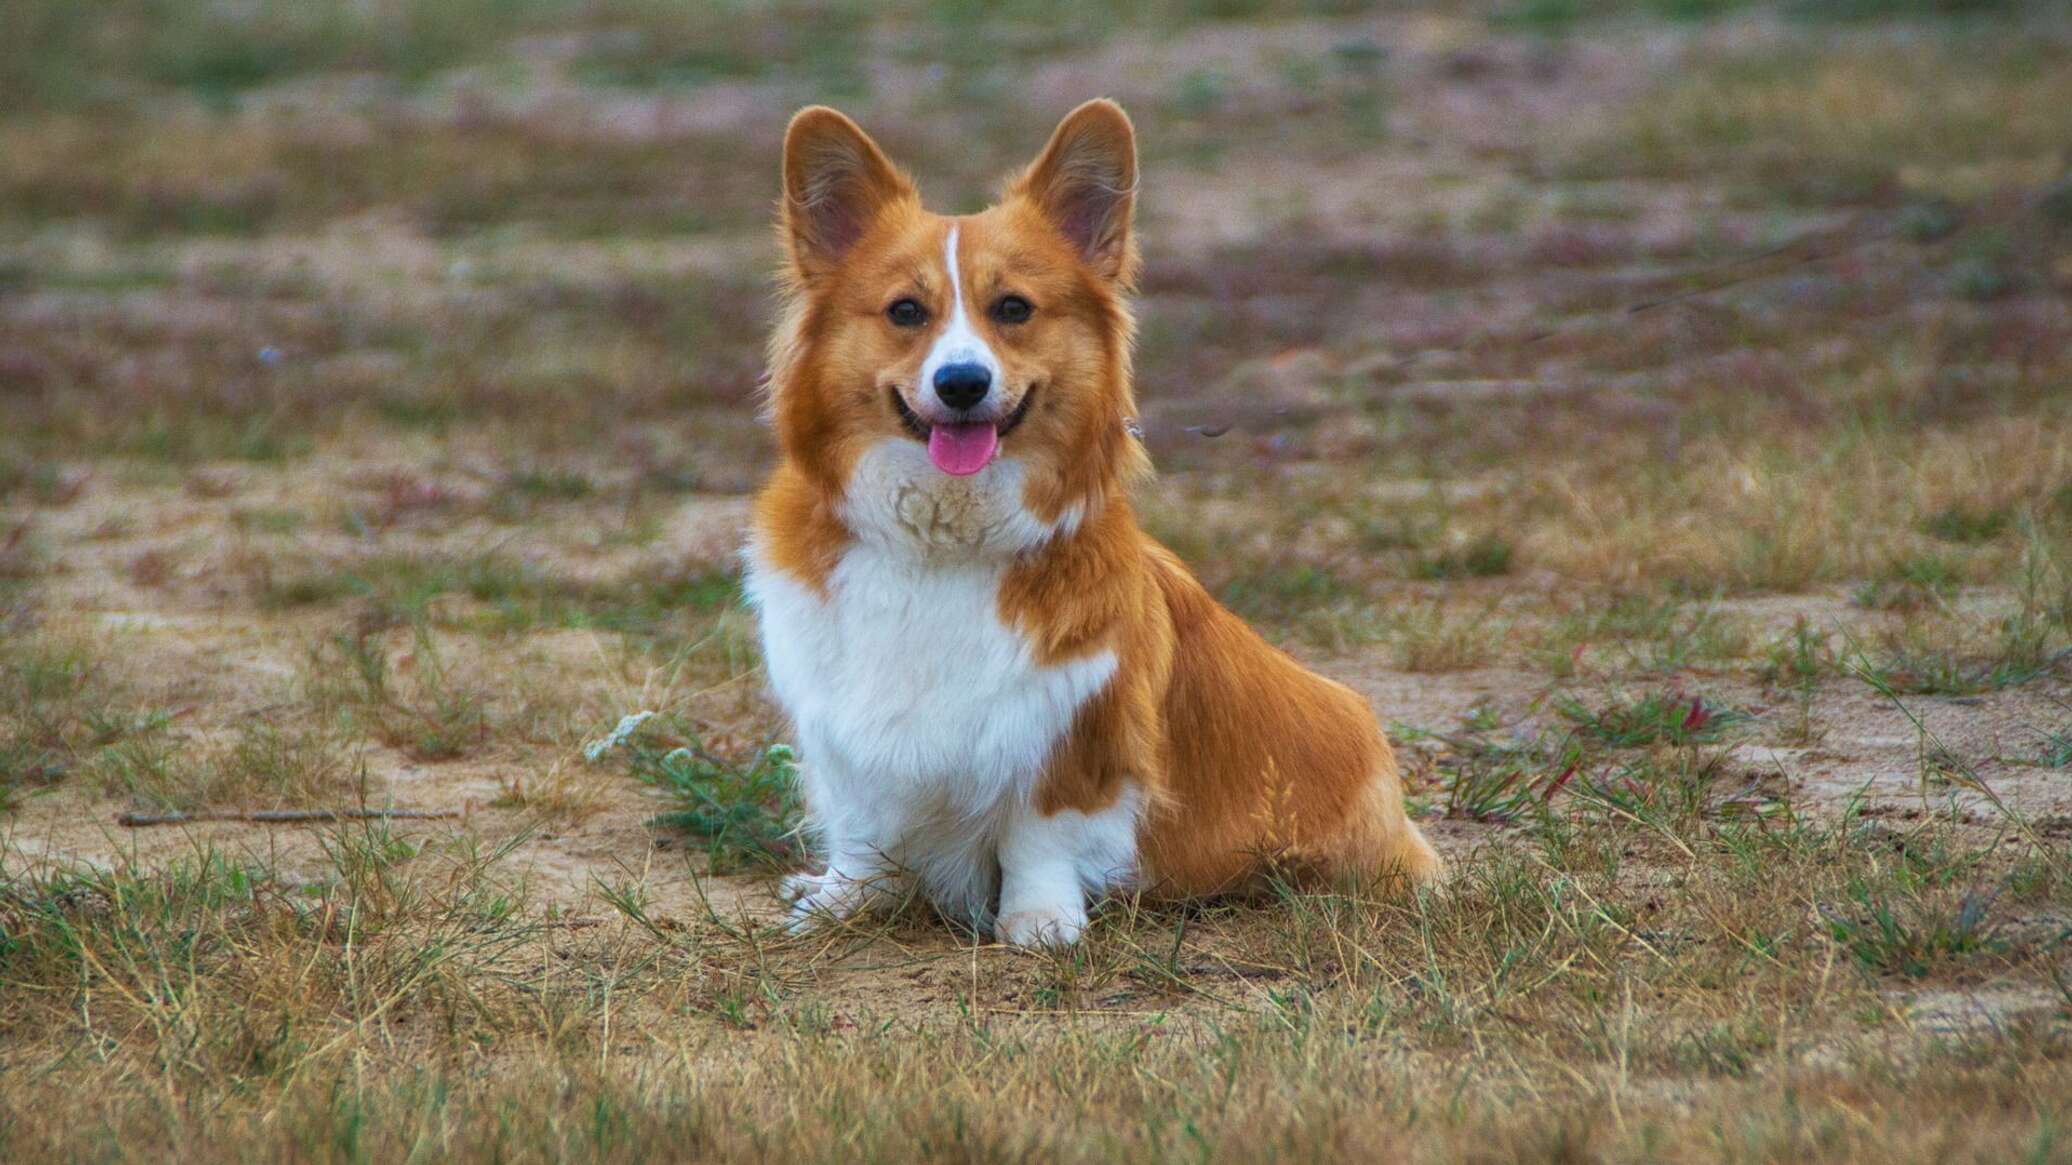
924 719
907 689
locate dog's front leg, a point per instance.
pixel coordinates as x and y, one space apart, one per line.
1050 862
858 835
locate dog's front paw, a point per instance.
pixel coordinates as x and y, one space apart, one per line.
797 886
1040 928
822 898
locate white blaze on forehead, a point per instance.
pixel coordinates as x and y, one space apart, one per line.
959 343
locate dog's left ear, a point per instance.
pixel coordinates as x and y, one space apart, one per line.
1085 183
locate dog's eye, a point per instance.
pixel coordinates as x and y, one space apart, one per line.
1012 309
907 313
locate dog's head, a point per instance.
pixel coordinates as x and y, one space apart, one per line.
995 343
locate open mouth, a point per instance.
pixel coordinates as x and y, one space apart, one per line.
961 449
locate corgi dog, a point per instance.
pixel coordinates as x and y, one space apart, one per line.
1005 694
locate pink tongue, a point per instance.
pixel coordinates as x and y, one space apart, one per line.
962 450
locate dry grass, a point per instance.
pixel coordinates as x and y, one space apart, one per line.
263 764
563 793
59 702
1875 118
1656 409
1738 1013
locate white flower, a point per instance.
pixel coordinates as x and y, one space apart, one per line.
628 725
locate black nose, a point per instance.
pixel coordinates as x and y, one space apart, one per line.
961 386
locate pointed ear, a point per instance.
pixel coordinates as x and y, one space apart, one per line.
836 182
1085 183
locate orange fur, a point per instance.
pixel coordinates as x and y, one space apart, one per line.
1248 761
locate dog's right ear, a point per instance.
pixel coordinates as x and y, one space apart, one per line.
836 183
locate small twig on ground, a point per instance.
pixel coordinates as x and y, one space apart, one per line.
282 816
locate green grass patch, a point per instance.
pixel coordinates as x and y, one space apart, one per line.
1966 525
1286 591
1485 557
42 482
1918 580
1639 630
1870 10
2054 750
61 54
59 708
659 45
561 485
1910 936
184 437
1921 665
1656 718
428 713
744 812
264 763
263 520
1800 658
1496 774
1562 16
